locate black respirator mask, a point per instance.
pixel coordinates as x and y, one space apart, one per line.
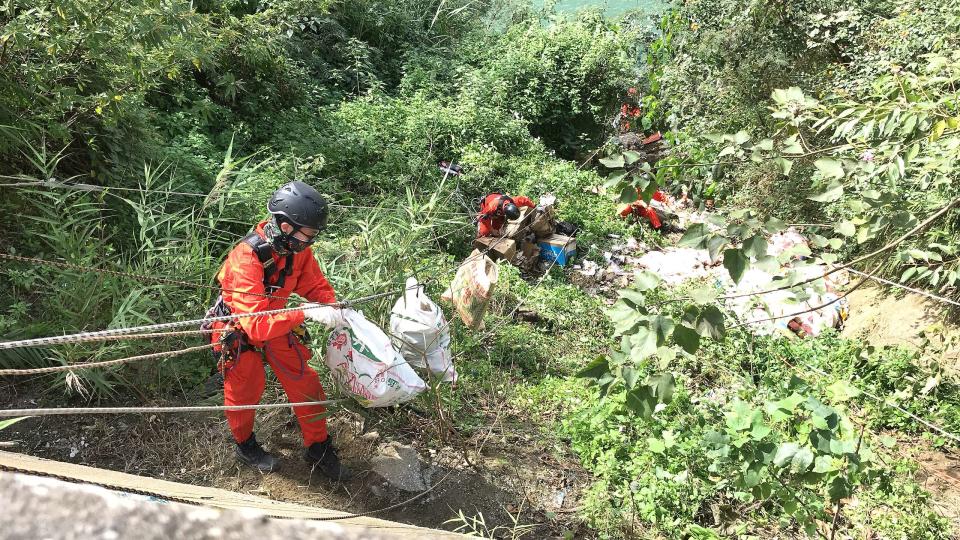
283 242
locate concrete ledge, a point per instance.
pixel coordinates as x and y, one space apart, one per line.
43 507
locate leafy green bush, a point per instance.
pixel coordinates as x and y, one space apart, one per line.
746 446
565 79
742 53
643 469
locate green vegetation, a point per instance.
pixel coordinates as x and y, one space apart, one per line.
817 113
144 137
150 104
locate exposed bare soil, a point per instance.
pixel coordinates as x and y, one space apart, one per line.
508 473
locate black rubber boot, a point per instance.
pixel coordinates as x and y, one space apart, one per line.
251 453
323 456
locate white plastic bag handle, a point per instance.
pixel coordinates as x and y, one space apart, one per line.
416 300
412 294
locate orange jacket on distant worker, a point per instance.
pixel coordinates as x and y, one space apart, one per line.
642 209
491 218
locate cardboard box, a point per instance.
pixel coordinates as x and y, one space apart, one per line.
497 248
543 223
516 227
559 248
529 249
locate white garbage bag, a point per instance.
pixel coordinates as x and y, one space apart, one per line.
365 365
676 265
782 305
421 330
784 241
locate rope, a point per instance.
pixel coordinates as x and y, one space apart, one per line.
883 401
124 333
16 413
105 363
904 287
398 210
872 396
137 277
91 187
473 257
111 487
926 223
79 186
151 335
82 336
147 330
523 300
21 184
388 508
809 309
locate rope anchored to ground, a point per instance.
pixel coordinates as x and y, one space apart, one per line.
115 332
17 413
105 363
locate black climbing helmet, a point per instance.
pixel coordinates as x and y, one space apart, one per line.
511 211
300 205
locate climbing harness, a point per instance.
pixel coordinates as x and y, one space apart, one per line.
233 341
265 252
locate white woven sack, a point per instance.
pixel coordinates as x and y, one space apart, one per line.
365 365
421 330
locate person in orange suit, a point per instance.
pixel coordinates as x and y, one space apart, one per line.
495 209
259 274
642 209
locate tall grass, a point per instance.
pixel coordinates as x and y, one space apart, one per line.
153 232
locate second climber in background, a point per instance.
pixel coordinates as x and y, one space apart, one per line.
496 209
258 275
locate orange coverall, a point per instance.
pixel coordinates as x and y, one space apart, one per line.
273 334
640 208
491 220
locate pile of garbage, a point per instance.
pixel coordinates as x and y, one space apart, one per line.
764 314
615 270
818 309
533 241
818 306
676 265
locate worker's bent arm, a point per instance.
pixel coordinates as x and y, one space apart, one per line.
522 201
484 227
313 285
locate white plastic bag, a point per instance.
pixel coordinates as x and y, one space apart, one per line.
419 326
365 365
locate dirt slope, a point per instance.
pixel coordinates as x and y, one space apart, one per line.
886 319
